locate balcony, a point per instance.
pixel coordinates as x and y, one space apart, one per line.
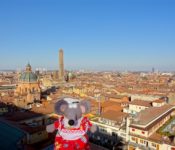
142 147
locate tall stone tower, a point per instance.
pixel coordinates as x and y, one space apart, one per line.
61 65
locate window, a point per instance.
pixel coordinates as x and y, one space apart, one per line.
143 142
103 130
114 134
154 145
133 129
133 138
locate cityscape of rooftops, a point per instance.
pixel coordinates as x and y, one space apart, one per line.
87 74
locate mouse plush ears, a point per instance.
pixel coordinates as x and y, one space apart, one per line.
61 106
85 106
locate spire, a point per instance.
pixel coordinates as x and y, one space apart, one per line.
28 67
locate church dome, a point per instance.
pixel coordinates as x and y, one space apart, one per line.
28 75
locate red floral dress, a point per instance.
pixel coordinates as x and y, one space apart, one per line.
74 138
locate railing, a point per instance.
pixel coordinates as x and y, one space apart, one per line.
93 147
142 147
51 147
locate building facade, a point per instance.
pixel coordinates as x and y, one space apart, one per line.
151 130
28 90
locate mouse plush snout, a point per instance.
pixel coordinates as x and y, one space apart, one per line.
71 117
71 122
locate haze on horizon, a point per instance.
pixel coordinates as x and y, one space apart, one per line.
95 34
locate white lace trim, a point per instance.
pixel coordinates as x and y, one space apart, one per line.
71 134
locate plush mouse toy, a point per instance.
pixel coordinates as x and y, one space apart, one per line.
71 127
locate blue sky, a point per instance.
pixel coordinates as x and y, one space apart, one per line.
95 34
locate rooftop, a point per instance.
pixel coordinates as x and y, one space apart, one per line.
114 115
145 117
159 101
140 103
28 77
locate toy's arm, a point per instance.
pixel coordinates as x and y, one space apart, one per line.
52 127
93 128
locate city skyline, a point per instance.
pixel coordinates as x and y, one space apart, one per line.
95 35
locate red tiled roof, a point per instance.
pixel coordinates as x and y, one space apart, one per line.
159 101
114 115
141 103
148 115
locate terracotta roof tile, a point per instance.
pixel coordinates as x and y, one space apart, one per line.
114 115
141 103
148 115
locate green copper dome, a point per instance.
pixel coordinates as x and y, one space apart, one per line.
28 75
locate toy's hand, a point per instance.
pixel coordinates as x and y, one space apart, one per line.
50 128
93 128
